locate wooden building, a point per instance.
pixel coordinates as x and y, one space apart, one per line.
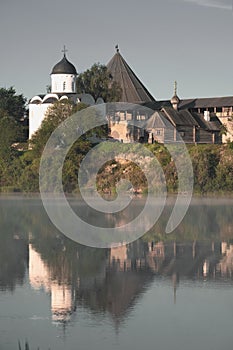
194 120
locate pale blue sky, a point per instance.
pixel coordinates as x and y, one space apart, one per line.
190 41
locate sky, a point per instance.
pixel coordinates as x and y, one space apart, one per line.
190 41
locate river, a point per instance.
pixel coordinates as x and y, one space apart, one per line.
159 292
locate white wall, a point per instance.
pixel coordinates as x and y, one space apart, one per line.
36 116
63 83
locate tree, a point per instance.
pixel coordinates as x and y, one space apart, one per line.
10 133
98 82
55 115
11 104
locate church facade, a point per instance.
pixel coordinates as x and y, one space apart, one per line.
204 120
63 86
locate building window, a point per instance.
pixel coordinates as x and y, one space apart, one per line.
158 132
226 110
64 86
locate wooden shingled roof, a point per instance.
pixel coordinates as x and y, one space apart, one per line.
180 118
133 91
194 103
206 102
157 120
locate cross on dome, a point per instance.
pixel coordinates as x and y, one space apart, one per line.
64 50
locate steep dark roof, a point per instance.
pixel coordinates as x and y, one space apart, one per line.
186 118
64 67
206 102
180 118
133 91
213 125
192 103
157 120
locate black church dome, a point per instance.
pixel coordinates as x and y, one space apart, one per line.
64 67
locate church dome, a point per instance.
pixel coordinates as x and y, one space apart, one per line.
64 67
175 99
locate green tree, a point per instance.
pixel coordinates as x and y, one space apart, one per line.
10 133
55 115
12 104
98 82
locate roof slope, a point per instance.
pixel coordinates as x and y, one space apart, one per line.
213 125
158 120
180 118
194 103
133 91
207 102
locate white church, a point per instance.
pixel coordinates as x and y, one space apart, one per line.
63 86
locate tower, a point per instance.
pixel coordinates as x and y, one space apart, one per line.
175 99
133 90
63 77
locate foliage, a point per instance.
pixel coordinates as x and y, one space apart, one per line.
212 164
11 104
9 134
55 115
98 82
205 160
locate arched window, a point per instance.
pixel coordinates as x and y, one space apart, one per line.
64 86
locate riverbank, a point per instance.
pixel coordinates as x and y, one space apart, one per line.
212 171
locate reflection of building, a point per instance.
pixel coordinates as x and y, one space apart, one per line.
62 295
155 256
226 263
119 257
62 301
39 276
114 283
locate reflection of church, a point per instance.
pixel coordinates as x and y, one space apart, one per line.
197 120
126 273
62 294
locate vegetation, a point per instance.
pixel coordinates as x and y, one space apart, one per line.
19 167
97 82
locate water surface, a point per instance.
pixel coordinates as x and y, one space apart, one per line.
160 292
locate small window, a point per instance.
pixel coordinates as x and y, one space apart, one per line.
64 86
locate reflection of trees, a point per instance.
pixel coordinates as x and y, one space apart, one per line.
204 221
13 246
110 281
13 260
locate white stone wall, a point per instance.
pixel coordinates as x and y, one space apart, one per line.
228 123
63 83
36 116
